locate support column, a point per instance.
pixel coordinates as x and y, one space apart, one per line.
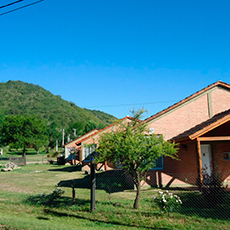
200 174
106 165
80 155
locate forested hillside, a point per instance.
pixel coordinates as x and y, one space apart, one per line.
20 98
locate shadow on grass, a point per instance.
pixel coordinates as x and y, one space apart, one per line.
60 202
78 183
82 212
111 181
43 218
74 168
195 203
112 222
4 159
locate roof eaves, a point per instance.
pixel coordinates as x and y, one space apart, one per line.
210 127
79 137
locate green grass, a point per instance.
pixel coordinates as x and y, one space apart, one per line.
31 155
21 206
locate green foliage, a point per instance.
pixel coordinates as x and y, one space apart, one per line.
167 202
134 148
20 195
110 187
21 132
50 198
19 98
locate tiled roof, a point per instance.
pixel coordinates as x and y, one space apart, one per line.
101 130
76 139
218 83
204 127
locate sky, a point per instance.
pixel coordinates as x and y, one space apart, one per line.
116 55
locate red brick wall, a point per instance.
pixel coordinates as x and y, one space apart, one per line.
176 172
191 114
220 100
181 119
221 148
185 171
187 162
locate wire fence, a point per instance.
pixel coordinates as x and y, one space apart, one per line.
18 160
211 200
27 159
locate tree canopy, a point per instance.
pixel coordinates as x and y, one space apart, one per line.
20 98
132 146
21 132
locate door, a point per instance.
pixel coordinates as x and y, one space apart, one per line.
206 159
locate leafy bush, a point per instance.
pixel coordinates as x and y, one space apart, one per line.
167 202
56 193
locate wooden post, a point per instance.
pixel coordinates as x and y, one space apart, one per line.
93 185
201 181
106 164
80 156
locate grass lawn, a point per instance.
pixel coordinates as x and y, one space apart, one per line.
31 156
21 206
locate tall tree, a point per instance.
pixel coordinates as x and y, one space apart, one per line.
132 146
54 134
21 132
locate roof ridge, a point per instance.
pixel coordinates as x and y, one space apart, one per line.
101 130
81 136
187 99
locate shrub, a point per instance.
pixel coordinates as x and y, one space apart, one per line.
56 193
167 202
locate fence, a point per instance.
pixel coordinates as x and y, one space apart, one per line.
27 159
208 201
18 160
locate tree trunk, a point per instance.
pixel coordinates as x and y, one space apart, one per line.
37 150
24 151
138 187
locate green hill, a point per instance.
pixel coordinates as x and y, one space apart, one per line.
28 99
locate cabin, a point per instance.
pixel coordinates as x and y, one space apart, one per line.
200 124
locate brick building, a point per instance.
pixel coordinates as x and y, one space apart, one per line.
200 124
83 146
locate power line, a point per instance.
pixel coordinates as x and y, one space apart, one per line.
120 105
12 3
19 8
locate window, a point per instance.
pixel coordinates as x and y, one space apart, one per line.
70 153
159 163
227 156
87 152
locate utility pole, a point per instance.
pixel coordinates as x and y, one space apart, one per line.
57 145
1 152
63 137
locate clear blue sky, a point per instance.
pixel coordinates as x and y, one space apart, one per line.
113 55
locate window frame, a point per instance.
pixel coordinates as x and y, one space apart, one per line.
224 154
162 164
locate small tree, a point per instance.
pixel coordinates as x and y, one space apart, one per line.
21 132
132 146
